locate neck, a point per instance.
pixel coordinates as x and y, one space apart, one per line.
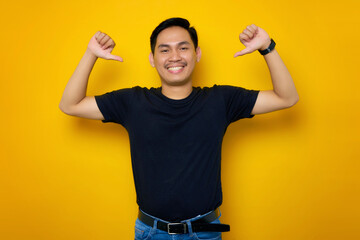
177 92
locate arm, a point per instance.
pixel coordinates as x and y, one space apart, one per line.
74 100
284 94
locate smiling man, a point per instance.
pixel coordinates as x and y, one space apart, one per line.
174 55
176 131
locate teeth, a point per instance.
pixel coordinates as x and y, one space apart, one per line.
174 68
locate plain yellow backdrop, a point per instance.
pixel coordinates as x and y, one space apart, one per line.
287 175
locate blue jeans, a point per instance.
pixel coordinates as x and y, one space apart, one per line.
145 232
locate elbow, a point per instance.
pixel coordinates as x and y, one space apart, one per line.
292 101
64 109
297 99
61 107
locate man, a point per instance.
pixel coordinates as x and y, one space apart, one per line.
176 130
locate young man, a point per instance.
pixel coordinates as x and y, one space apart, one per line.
176 130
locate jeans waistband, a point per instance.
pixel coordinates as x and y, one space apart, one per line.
185 220
200 223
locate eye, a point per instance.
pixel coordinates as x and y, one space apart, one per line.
184 48
164 50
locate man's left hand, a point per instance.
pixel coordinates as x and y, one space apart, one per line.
253 38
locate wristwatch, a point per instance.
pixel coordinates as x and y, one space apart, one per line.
269 49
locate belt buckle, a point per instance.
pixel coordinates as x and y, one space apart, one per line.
172 224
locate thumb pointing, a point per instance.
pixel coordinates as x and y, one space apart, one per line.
114 57
243 52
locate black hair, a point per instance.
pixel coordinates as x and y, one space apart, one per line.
180 22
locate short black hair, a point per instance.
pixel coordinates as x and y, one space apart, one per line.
180 22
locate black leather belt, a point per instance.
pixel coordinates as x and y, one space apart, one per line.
200 225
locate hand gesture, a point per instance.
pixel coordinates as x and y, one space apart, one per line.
101 46
253 38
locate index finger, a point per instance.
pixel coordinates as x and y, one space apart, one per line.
244 37
109 43
99 36
252 28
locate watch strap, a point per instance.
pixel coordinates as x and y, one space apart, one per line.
269 49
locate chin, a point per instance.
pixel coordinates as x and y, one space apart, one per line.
179 82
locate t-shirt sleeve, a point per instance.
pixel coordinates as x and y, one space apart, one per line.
115 105
239 102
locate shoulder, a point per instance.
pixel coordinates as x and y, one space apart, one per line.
217 87
215 90
130 91
145 90
120 95
222 89
225 88
229 90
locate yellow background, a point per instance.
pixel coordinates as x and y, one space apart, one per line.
287 175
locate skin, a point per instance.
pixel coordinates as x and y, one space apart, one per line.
284 94
174 48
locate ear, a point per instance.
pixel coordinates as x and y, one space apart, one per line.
151 59
198 54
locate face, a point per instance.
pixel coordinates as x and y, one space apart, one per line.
175 56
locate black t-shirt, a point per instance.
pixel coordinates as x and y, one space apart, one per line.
176 144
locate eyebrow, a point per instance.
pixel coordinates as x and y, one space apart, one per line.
178 44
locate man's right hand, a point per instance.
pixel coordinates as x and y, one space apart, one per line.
101 45
74 100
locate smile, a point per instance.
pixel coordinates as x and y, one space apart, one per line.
176 69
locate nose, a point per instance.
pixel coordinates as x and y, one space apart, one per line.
175 56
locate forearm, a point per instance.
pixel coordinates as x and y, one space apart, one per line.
75 90
283 84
